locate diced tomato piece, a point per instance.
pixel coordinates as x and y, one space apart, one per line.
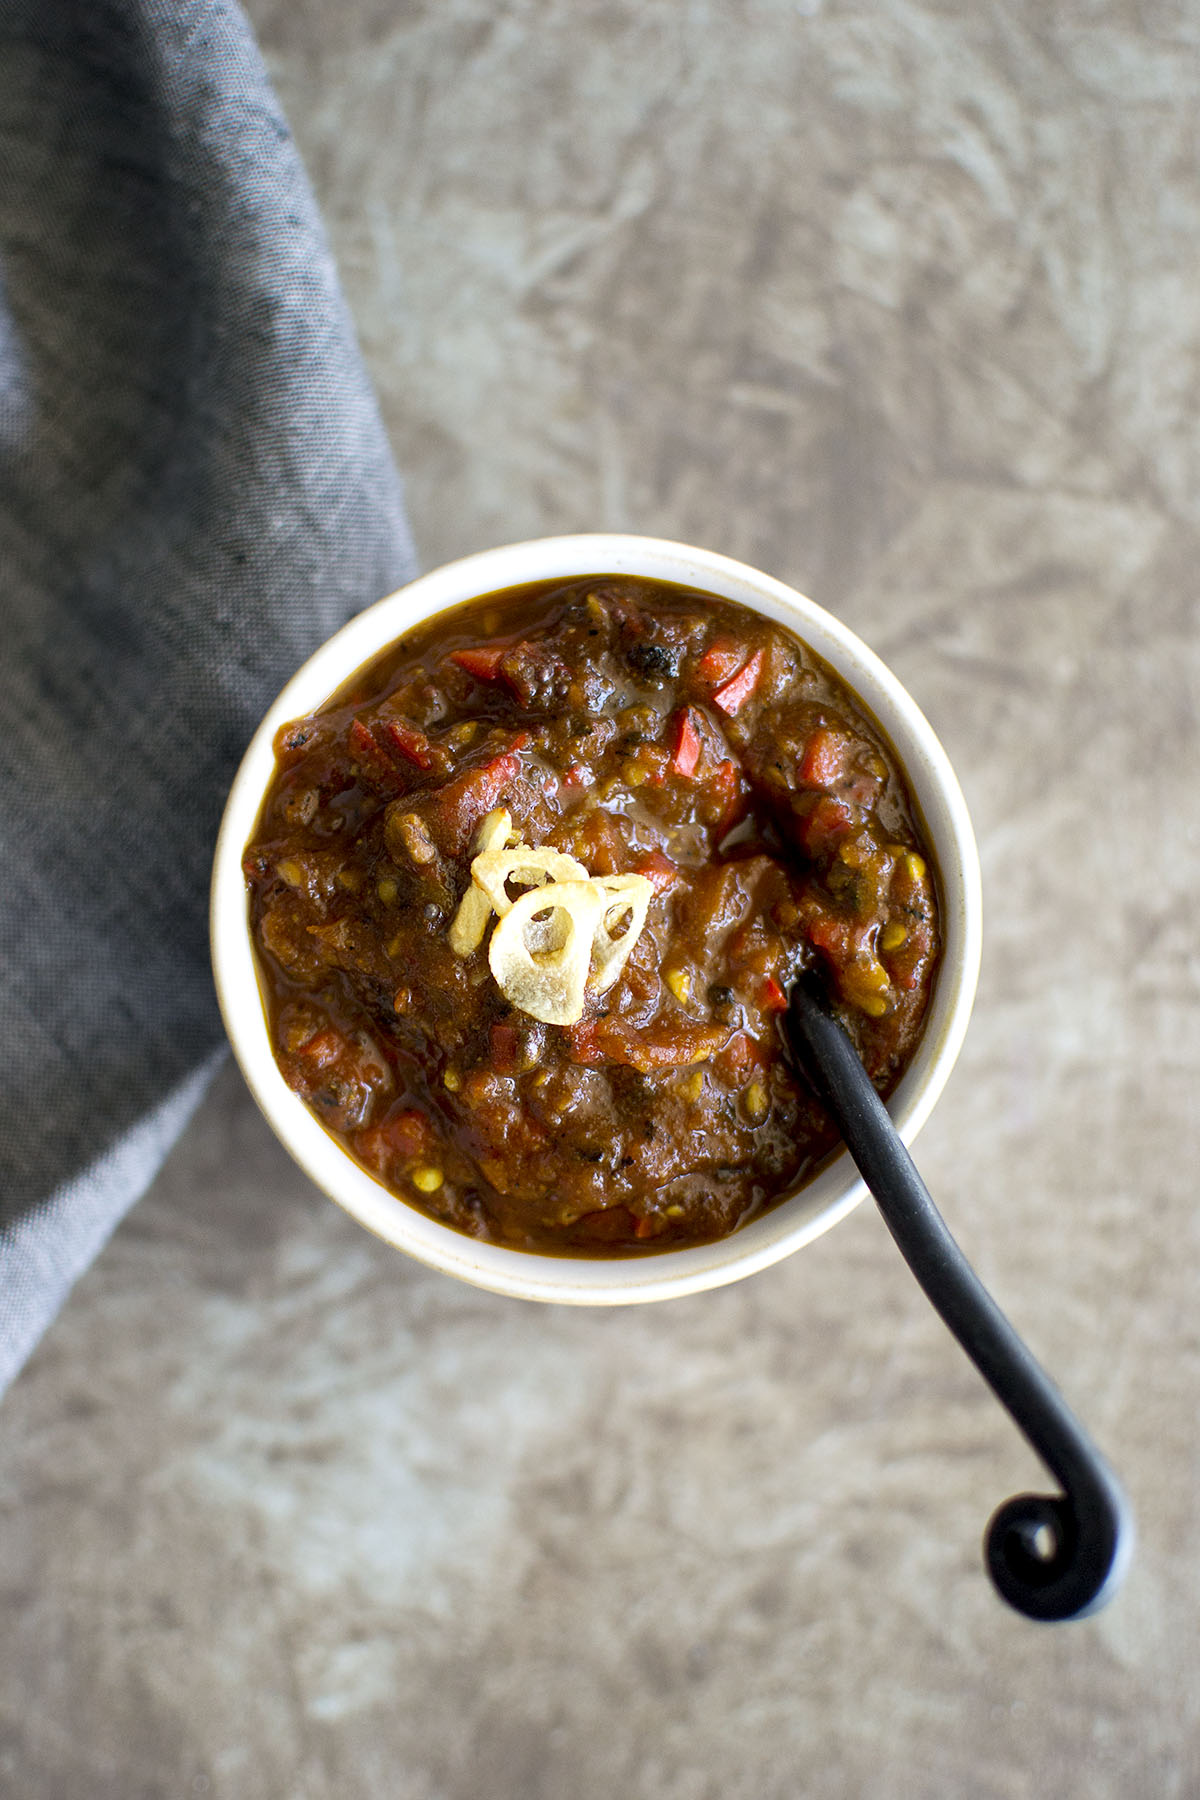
412 744
405 1134
823 758
362 739
658 1047
771 996
600 844
841 939
372 759
465 801
828 933
574 777
485 786
741 1054
608 1226
658 870
505 1042
484 664
685 743
726 786
585 1043
826 825
734 693
503 770
322 1048
719 661
408 1133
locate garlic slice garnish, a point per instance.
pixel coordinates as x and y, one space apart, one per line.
496 832
541 949
475 909
470 921
567 932
531 868
626 901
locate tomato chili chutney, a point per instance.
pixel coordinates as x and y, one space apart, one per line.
649 804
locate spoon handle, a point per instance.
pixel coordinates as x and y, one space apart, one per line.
1050 1556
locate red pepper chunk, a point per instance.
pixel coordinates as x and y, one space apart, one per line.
719 661
659 871
734 693
771 996
685 743
412 744
464 801
483 664
726 789
823 759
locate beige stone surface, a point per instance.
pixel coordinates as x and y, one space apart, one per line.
900 301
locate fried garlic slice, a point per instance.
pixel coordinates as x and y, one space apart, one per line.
475 909
470 921
567 932
541 949
494 869
496 831
625 900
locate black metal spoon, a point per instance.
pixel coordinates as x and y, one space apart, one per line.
1050 1556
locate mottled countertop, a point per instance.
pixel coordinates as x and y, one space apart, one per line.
900 302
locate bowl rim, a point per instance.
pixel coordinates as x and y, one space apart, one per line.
809 1211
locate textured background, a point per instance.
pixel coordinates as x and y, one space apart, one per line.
898 301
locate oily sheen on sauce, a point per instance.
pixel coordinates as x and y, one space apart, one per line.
638 730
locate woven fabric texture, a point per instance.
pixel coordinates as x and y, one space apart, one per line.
195 490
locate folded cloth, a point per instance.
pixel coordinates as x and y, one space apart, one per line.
195 489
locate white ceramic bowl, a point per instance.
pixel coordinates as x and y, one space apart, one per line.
813 1208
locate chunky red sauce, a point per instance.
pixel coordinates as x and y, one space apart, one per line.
637 727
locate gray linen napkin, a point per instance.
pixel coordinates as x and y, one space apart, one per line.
195 489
